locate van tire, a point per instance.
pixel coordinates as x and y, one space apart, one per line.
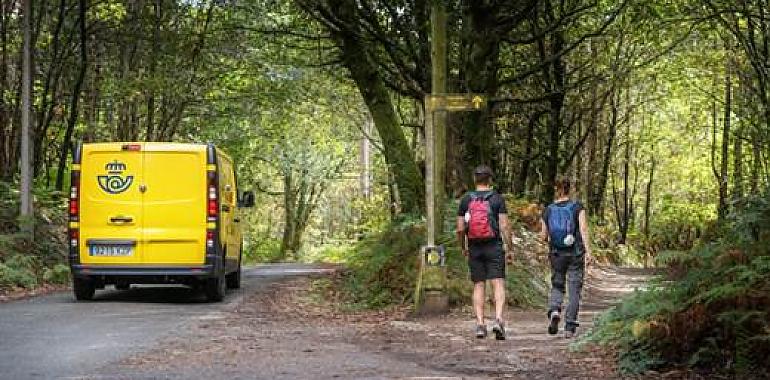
234 279
84 289
215 288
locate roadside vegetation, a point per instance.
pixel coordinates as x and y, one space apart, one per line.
710 311
27 263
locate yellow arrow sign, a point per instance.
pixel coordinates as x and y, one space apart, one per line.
455 102
477 101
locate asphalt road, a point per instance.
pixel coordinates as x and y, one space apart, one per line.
55 337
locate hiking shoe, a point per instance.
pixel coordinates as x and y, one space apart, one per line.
553 327
499 329
481 331
570 332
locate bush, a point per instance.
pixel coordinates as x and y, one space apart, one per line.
383 271
263 251
26 261
18 271
712 314
59 274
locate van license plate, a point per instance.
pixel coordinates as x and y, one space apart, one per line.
111 250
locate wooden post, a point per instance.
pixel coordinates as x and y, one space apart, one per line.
26 101
432 279
430 188
439 86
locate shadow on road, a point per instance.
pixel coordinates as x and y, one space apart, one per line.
152 294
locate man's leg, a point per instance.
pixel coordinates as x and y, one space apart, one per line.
575 283
478 301
499 287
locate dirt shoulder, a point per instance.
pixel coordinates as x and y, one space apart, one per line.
15 294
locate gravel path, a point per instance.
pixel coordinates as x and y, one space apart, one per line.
282 332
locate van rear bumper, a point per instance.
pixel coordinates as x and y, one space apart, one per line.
82 270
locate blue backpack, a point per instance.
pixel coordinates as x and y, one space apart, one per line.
562 225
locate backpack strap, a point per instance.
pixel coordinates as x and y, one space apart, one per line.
575 219
491 216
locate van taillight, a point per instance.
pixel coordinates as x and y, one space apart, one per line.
212 209
74 236
74 210
213 204
210 239
74 197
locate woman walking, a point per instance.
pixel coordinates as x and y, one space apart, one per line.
565 227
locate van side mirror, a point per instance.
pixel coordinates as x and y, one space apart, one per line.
247 199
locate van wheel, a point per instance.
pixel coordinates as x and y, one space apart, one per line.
234 279
84 289
215 287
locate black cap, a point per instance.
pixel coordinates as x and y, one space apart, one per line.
483 170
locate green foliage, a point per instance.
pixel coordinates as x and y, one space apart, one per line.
383 270
59 274
267 250
26 261
714 312
18 270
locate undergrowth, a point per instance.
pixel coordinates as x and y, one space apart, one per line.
382 270
28 261
712 311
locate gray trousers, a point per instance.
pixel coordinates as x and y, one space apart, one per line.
567 271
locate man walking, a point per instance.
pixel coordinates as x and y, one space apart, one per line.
482 227
565 227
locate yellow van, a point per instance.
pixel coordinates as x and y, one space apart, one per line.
148 213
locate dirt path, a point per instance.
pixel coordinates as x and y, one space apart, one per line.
283 333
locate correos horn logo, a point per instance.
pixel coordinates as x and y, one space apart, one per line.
114 182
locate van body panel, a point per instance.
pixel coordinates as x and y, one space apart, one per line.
174 204
229 233
111 206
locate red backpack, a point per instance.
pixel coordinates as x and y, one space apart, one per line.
480 222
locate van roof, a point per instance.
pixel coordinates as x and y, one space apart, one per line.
155 146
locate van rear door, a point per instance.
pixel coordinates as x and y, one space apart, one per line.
174 203
111 209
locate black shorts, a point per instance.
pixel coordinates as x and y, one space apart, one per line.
486 261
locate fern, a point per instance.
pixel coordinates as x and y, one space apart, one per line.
713 315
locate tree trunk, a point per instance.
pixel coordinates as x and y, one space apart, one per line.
73 117
738 165
625 222
5 111
26 113
520 187
364 72
722 208
648 198
596 206
289 202
153 64
756 162
478 74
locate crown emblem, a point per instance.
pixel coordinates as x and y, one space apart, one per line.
115 167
